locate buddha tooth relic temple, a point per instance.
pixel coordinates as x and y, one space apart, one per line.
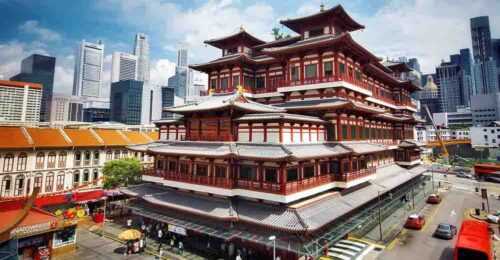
307 138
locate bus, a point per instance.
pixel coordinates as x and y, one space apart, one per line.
473 242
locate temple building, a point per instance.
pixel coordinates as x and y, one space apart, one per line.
303 138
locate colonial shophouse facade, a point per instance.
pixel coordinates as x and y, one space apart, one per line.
60 159
296 135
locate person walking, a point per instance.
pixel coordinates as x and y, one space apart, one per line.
129 223
181 247
141 244
160 238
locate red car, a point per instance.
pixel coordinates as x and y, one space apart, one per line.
434 199
415 221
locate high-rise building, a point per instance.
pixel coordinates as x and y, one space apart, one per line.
94 114
39 69
167 100
126 101
449 86
66 108
182 58
124 66
485 68
485 109
429 97
179 81
20 101
88 69
141 50
481 38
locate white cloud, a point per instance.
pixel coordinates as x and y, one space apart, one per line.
427 29
161 70
44 34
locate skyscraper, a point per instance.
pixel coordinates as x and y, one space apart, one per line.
39 69
126 101
88 69
182 58
481 38
20 101
485 68
167 100
141 50
124 66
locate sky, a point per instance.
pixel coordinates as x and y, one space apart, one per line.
429 30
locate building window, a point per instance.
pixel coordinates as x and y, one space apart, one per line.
357 75
51 162
95 175
344 131
40 160
248 172
236 81
109 156
328 68
38 180
22 160
271 175
117 155
341 68
294 71
60 182
220 171
125 154
6 186
86 176
224 83
311 71
86 158
323 168
316 32
346 166
201 170
260 82
96 157
78 158
353 132
292 174
249 81
19 185
172 166
49 182
76 178
62 160
308 171
213 83
159 164
334 167
8 163
183 167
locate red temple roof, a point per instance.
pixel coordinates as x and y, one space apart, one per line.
240 36
337 14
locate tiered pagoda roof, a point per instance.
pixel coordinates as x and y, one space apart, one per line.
240 36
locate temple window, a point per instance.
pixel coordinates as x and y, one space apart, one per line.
249 81
341 68
357 75
271 175
236 81
183 167
308 171
292 174
294 72
345 165
224 83
328 68
353 132
232 51
201 169
248 172
344 131
172 166
316 32
220 171
260 82
323 168
213 83
334 167
311 71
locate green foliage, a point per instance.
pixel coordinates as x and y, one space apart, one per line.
121 172
278 35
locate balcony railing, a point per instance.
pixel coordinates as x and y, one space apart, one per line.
350 176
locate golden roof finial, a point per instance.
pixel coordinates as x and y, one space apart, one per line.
241 28
240 90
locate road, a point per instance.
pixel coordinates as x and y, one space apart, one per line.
457 200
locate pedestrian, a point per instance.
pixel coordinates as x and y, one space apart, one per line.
129 223
238 257
160 238
141 244
172 243
181 247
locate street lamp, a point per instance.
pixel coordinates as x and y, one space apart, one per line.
273 238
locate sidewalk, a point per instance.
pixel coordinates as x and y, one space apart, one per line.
111 231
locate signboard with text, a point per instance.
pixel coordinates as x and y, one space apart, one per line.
177 229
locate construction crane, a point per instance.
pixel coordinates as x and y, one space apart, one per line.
444 152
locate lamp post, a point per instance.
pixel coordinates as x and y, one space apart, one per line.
273 238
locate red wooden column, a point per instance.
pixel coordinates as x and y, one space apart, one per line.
336 66
265 132
317 168
320 67
282 177
301 70
339 128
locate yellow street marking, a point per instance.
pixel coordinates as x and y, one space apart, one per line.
366 241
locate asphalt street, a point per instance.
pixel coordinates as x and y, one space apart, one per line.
456 202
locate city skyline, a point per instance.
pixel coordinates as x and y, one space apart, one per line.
42 34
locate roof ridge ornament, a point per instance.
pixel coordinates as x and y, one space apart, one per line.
240 90
322 7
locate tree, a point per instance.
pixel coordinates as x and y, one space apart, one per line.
121 172
278 35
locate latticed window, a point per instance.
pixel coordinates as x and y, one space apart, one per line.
341 68
224 83
78 158
8 163
271 175
5 190
60 182
38 180
248 172
236 81
86 176
86 158
292 174
22 160
328 68
49 182
311 71
51 163
220 171
40 160
201 170
19 185
295 73
62 160
308 171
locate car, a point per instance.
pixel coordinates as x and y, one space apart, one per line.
494 217
445 231
415 221
433 199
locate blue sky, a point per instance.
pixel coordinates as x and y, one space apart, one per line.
427 29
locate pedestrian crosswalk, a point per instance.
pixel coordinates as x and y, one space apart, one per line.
348 250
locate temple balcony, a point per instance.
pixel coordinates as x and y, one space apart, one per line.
408 157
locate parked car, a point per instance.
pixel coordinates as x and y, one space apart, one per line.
494 217
445 231
464 175
415 221
434 199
